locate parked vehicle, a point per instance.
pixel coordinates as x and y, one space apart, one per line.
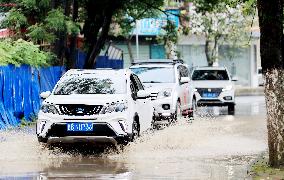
168 82
213 86
96 106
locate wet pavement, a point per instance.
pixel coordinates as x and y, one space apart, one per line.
213 146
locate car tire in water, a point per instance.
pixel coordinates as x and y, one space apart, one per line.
194 104
178 112
192 109
42 140
231 109
135 130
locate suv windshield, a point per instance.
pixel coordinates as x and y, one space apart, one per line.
210 75
89 85
155 74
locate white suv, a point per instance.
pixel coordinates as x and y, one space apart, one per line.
95 106
213 86
168 82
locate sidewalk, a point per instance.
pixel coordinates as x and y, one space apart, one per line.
248 91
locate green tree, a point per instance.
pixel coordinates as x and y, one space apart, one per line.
99 16
22 52
51 21
220 22
169 38
44 22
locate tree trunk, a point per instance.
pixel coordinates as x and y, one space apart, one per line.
73 40
271 49
211 50
92 25
100 42
207 53
96 28
129 47
60 44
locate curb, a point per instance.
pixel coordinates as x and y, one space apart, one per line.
259 91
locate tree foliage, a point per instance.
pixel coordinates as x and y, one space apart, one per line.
22 52
220 22
169 38
100 14
44 22
51 21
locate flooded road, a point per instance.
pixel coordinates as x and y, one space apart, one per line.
213 146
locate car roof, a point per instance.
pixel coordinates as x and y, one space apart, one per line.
210 68
104 72
156 62
152 65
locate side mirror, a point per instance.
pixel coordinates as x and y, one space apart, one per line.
184 80
142 94
234 78
45 94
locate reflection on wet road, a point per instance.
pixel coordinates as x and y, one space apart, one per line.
213 146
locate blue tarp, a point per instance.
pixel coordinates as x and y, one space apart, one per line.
101 62
105 62
48 77
19 91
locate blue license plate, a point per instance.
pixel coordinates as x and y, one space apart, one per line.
209 95
81 127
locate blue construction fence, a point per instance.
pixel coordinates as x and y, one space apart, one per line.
101 62
20 88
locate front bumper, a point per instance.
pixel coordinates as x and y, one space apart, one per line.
224 98
53 128
161 112
87 139
213 102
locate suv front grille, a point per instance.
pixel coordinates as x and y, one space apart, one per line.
79 109
201 91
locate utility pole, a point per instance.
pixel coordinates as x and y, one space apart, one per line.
137 40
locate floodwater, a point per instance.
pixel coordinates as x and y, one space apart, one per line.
213 146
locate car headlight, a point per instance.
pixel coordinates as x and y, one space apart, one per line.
165 93
228 88
49 108
114 107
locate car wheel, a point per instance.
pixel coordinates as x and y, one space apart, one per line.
190 114
135 130
178 112
153 126
153 123
42 140
231 109
194 105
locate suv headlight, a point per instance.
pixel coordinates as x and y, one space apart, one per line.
228 88
49 108
114 107
164 93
